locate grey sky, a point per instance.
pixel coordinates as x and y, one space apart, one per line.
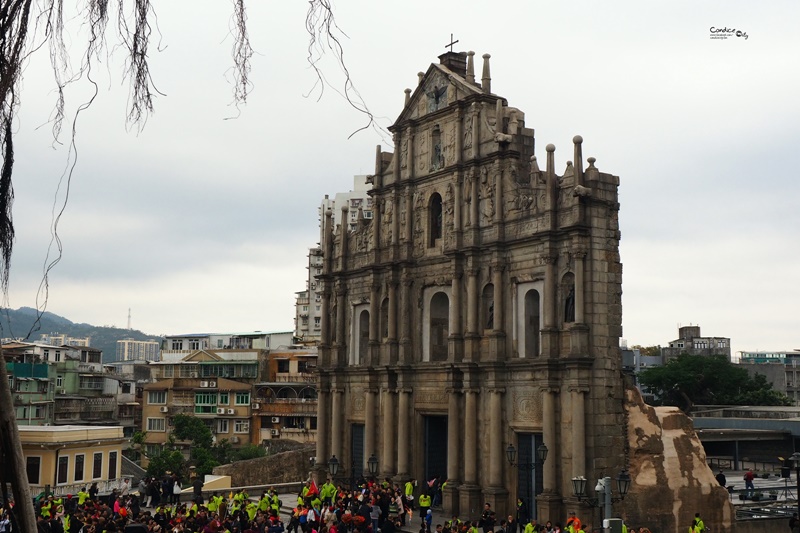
202 224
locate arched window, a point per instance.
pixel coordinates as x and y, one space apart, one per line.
439 326
532 320
487 306
363 337
435 219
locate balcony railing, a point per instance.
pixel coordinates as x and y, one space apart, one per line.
103 486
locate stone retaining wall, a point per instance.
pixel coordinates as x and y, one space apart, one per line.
285 467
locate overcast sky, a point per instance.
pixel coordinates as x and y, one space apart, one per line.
201 224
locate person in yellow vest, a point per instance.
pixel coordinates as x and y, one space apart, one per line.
46 506
698 523
409 492
424 503
275 503
264 502
82 496
251 509
213 503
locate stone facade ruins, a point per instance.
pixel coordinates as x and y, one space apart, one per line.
479 308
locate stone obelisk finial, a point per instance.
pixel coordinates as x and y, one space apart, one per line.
471 66
486 79
577 140
408 96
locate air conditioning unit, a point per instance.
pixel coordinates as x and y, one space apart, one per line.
276 432
235 439
164 409
62 391
256 406
231 411
212 384
204 384
193 375
276 419
220 411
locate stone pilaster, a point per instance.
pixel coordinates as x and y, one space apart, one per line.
456 342
388 457
472 336
406 350
323 431
470 492
549 333
370 426
403 433
336 423
454 446
578 430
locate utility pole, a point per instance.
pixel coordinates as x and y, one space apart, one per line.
12 458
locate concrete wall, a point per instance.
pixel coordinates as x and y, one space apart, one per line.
283 467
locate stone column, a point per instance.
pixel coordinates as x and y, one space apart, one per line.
325 319
470 503
395 216
578 431
476 134
407 230
323 434
403 434
370 426
374 323
474 216
341 333
392 311
406 355
471 438
458 200
388 456
498 297
336 423
471 345
549 333
497 449
549 437
454 446
456 344
579 287
410 154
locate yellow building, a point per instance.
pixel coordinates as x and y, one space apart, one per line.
222 404
68 458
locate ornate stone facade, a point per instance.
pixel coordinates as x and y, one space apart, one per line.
485 312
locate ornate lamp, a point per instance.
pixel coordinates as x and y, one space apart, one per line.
333 465
623 483
372 464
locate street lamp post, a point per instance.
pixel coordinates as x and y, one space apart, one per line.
795 460
603 488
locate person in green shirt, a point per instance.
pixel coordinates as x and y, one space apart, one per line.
82 496
328 493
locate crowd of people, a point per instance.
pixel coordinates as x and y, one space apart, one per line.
374 506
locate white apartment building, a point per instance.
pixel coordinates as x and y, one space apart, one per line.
133 350
308 317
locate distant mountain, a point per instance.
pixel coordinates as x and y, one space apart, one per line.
22 323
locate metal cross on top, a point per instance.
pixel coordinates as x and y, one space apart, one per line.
452 42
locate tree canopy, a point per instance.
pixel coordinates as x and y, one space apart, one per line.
696 379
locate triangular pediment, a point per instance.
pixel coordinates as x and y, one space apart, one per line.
202 355
439 88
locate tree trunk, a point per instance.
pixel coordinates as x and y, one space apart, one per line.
14 460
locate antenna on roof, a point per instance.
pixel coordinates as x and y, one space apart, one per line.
129 319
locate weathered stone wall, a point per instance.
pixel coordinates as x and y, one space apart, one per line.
283 467
670 480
